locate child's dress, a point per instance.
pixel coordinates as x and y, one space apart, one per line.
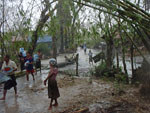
29 67
53 91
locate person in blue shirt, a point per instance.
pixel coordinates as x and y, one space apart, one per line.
84 47
29 66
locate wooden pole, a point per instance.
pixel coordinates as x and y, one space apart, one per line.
130 39
77 64
2 38
132 65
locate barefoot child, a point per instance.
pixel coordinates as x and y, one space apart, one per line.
29 66
53 91
9 67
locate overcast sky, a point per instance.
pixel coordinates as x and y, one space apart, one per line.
88 15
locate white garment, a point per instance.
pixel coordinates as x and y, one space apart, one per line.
11 64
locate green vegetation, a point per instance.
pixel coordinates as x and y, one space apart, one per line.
123 25
102 71
44 48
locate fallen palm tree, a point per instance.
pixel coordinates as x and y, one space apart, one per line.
127 11
135 17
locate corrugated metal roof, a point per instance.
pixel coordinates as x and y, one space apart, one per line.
43 39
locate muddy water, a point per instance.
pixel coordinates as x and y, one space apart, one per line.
75 92
84 65
137 63
28 97
32 96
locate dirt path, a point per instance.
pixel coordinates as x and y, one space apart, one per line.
95 95
76 94
33 98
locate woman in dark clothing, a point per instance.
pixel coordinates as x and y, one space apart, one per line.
53 91
38 61
21 59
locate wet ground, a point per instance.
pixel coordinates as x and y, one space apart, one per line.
32 96
84 65
76 93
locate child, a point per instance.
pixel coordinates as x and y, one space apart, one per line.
90 57
29 66
53 91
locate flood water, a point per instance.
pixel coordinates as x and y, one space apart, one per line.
84 65
33 98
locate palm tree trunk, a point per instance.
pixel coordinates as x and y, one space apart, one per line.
54 47
132 65
117 59
109 52
123 55
62 39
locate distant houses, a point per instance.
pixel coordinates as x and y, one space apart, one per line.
43 43
19 38
44 39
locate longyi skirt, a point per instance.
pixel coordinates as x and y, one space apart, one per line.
53 91
38 64
10 83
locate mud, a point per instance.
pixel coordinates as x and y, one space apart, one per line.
77 94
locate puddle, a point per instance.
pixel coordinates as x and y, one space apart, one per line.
76 92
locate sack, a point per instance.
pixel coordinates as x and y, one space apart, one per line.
4 77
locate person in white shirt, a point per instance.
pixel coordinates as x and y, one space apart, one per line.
9 67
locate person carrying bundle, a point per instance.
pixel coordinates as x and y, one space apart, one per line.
9 67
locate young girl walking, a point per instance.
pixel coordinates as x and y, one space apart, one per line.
53 91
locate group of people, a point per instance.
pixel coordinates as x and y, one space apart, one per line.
36 60
10 67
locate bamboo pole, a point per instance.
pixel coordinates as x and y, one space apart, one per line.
134 44
126 14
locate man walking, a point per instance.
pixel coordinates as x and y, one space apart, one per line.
9 67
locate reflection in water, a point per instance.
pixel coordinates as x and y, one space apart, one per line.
14 108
